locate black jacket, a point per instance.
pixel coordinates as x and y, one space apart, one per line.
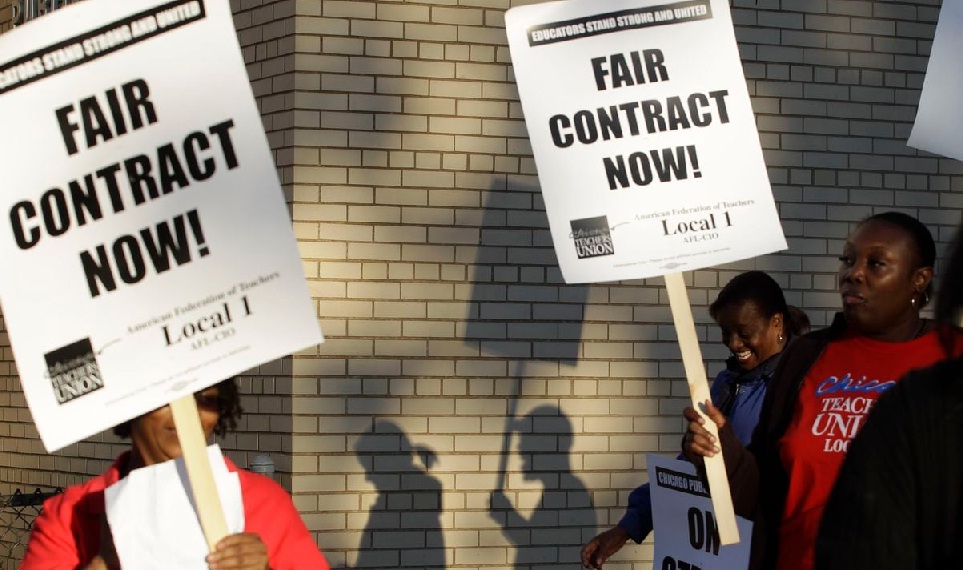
757 480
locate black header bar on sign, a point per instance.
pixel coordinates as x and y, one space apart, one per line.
664 14
97 43
683 482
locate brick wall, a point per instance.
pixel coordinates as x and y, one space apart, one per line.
265 33
425 241
6 14
404 157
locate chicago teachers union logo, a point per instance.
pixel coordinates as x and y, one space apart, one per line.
73 371
592 237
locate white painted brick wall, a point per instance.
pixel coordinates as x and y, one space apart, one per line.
834 88
402 148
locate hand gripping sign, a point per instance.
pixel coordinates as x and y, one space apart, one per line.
647 152
149 252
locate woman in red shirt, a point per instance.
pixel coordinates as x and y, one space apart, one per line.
825 386
72 532
897 503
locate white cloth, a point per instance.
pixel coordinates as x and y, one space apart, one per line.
153 520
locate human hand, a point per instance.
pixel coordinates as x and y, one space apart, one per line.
241 551
698 442
603 546
98 563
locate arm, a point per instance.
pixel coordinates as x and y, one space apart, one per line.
51 545
635 524
271 518
740 462
514 526
741 467
637 520
292 547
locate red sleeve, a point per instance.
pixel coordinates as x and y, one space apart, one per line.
269 512
65 534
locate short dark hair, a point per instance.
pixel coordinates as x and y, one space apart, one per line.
923 244
762 290
229 410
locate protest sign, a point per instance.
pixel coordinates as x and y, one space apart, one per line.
149 252
643 135
686 531
647 152
938 119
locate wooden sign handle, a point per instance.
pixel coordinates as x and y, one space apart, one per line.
699 393
187 421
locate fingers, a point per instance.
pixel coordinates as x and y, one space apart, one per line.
588 552
710 411
603 546
714 414
242 551
98 563
690 414
698 441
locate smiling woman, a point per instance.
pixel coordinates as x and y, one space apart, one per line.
825 385
756 324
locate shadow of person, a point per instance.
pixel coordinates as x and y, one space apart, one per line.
404 526
553 534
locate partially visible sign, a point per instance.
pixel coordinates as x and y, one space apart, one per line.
939 119
147 250
643 134
686 533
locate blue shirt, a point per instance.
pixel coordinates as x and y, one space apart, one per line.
739 396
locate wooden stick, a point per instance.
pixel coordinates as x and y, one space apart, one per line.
194 447
699 393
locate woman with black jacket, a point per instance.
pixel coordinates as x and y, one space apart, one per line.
824 387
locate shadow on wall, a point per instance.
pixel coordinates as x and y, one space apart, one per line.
404 527
553 533
521 311
520 307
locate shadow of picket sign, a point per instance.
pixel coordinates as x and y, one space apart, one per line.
17 513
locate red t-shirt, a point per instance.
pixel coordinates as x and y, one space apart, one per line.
66 534
835 397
